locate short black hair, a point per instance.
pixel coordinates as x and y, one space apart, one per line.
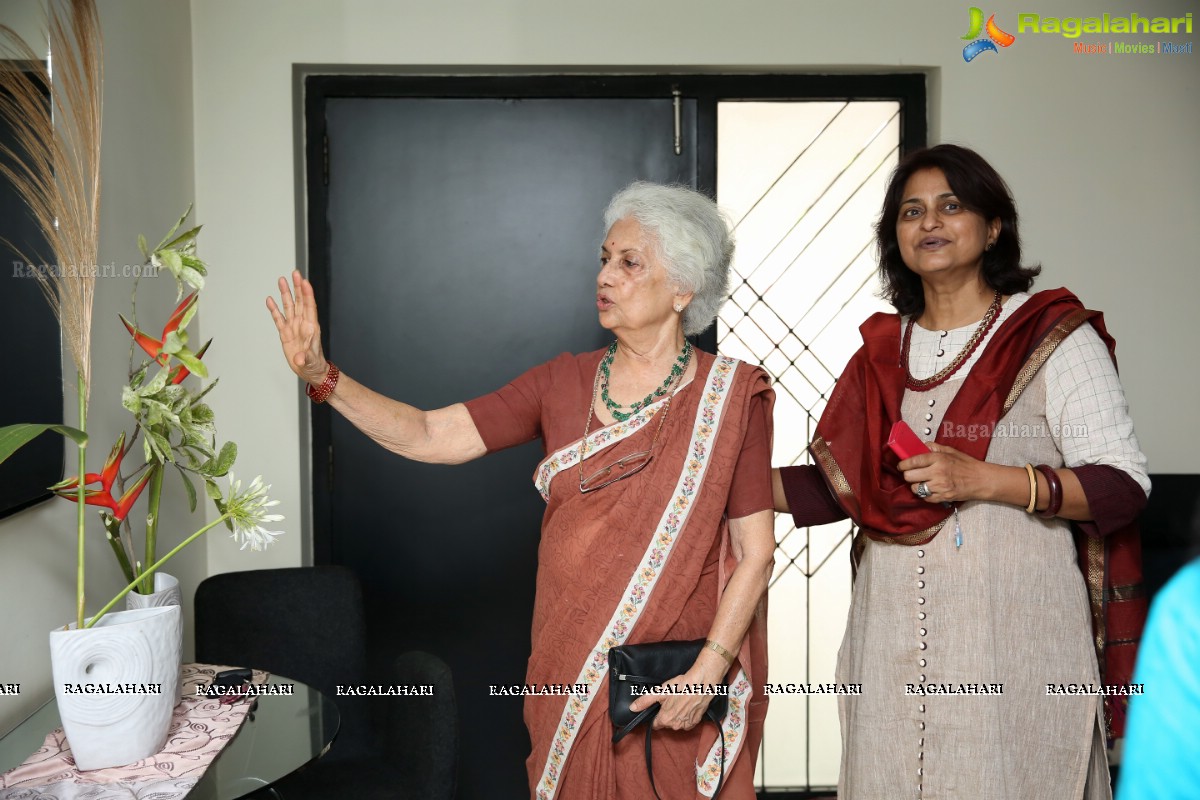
980 189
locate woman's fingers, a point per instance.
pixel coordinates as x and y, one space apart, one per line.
948 474
306 301
295 317
276 316
680 712
926 469
285 297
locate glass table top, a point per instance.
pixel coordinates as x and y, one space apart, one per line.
278 737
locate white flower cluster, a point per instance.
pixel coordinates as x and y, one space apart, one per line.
248 513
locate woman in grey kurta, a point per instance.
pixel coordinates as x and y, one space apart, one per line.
970 626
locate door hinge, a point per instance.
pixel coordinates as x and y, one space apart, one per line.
677 103
325 156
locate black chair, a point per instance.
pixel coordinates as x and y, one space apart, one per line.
308 623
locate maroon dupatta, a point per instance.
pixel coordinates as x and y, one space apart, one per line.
849 449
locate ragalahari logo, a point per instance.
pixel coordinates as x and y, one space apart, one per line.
995 36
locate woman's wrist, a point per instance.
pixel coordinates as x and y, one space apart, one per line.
712 666
995 482
321 389
1003 484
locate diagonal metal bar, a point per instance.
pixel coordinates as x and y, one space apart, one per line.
837 211
828 556
788 168
853 295
791 563
820 197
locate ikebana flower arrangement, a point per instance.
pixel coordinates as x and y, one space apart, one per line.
57 172
177 432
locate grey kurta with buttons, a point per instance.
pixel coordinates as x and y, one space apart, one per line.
1007 607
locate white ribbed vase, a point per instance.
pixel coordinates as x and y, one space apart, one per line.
138 648
166 593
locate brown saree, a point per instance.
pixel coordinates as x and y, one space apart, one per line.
644 559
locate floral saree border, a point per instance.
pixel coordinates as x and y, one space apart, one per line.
645 576
733 731
597 442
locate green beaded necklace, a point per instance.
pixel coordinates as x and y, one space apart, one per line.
616 409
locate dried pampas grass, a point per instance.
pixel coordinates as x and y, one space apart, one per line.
56 164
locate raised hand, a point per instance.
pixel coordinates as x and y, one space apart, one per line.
299 330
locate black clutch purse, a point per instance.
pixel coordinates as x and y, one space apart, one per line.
647 665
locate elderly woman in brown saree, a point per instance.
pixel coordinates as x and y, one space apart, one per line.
658 522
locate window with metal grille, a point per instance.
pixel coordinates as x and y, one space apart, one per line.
804 182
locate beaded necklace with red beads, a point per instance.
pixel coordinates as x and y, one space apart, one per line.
981 330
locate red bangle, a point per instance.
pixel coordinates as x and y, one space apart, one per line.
1056 492
319 394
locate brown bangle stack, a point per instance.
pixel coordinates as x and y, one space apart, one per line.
1056 492
319 394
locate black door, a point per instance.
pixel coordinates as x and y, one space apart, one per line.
463 241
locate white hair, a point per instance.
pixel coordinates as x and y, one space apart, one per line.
692 238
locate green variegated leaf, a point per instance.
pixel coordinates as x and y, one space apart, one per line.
14 437
192 276
225 460
194 263
175 341
174 228
213 491
153 410
161 446
190 487
175 396
206 449
171 260
187 316
131 400
142 246
148 449
205 390
202 432
156 385
158 413
183 239
201 413
189 360
139 377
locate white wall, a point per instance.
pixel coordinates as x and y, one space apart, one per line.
147 181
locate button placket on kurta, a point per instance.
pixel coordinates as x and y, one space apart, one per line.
922 606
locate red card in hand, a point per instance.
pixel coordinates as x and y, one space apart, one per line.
904 443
